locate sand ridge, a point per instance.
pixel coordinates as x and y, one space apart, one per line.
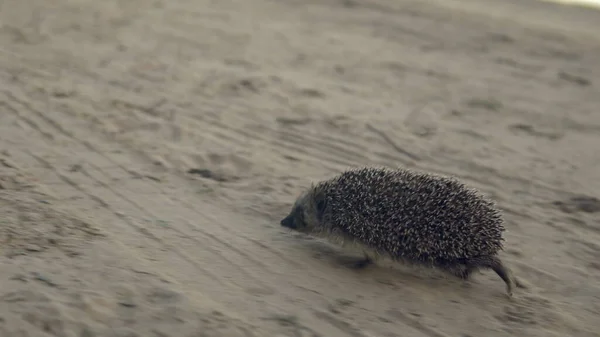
148 151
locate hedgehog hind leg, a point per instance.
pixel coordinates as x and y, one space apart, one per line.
494 263
460 270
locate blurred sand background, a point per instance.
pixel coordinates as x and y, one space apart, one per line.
148 150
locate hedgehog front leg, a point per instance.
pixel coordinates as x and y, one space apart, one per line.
494 263
363 263
355 263
360 263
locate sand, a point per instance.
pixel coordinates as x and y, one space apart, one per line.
148 150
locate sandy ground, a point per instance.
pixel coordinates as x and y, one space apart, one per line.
148 150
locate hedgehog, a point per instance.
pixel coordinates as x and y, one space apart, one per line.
409 216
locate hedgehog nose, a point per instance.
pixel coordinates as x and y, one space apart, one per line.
288 222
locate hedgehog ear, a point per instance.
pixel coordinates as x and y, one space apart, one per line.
320 204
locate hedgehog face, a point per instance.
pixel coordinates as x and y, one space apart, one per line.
306 214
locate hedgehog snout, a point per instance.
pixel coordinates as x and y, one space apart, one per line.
288 222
